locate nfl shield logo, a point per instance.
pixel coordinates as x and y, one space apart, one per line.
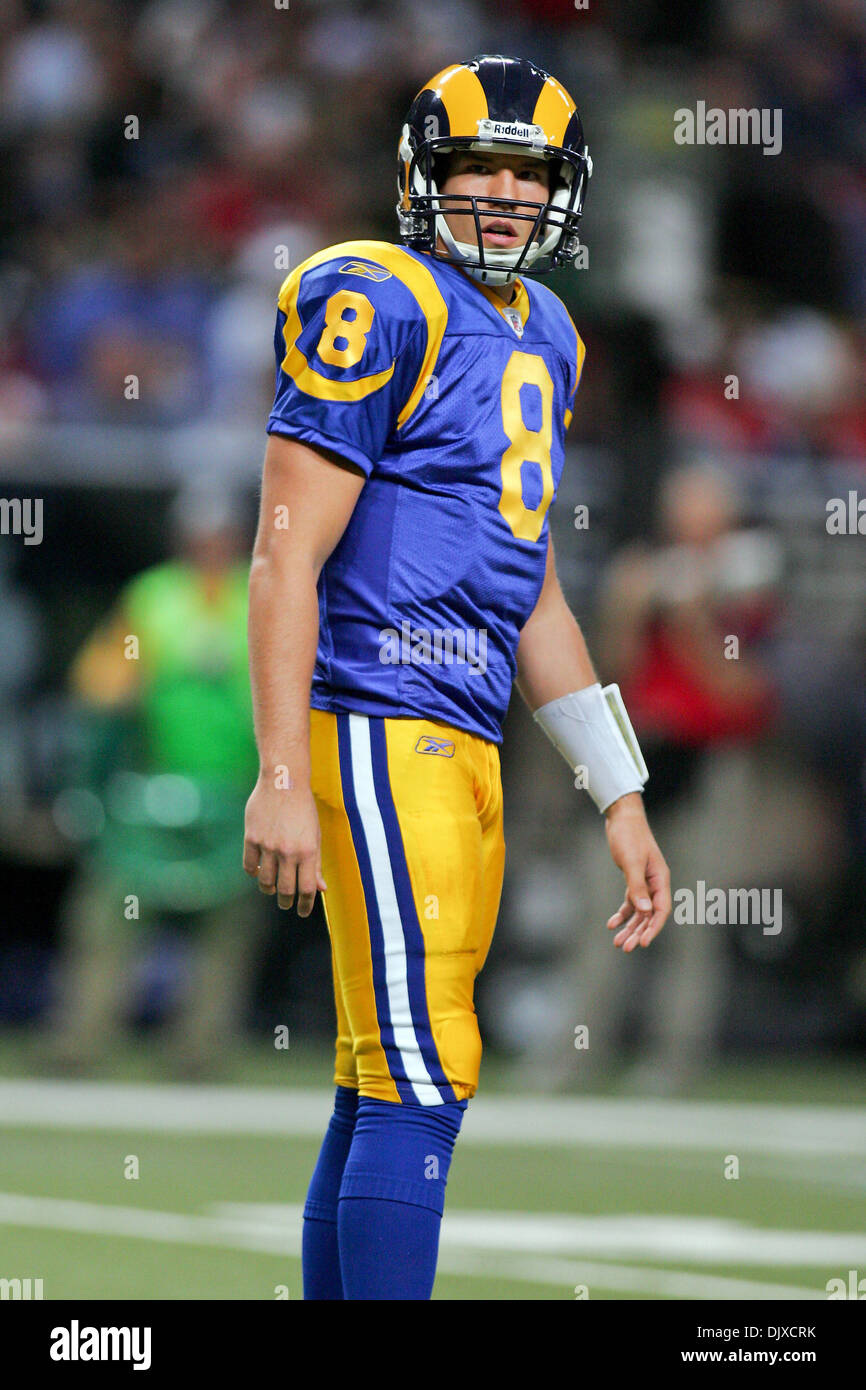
515 320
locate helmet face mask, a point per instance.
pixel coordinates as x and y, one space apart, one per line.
553 238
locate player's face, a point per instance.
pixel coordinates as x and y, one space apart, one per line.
516 178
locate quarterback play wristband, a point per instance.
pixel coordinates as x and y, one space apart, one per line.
592 730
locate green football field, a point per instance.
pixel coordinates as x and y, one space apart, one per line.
753 1186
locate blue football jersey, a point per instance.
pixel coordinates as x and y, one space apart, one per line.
455 407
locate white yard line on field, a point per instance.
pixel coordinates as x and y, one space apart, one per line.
726 1127
522 1246
675 1239
620 1278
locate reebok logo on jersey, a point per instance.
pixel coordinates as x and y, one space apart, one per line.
427 744
372 272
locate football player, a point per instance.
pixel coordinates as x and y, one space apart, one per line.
402 579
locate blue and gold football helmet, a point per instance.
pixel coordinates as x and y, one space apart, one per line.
493 104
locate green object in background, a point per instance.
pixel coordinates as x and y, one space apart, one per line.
195 707
176 842
169 775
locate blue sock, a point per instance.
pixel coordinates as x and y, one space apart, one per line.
392 1197
388 1250
320 1258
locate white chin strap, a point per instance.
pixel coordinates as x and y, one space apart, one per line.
499 269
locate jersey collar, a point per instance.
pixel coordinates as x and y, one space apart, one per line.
517 312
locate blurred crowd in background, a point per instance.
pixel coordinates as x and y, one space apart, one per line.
162 165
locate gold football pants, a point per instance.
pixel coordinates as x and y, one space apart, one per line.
413 855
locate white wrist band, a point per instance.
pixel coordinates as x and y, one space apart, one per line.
593 733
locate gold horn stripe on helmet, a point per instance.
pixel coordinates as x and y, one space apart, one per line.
553 111
463 97
405 200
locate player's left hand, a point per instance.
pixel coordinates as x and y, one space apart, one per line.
647 877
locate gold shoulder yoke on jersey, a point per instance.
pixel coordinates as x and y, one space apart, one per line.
417 279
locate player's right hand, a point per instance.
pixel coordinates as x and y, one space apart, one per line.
282 844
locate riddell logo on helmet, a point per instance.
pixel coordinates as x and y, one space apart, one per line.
512 130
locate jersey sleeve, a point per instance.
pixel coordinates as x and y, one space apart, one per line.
350 342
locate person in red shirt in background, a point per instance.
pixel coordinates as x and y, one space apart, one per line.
681 623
